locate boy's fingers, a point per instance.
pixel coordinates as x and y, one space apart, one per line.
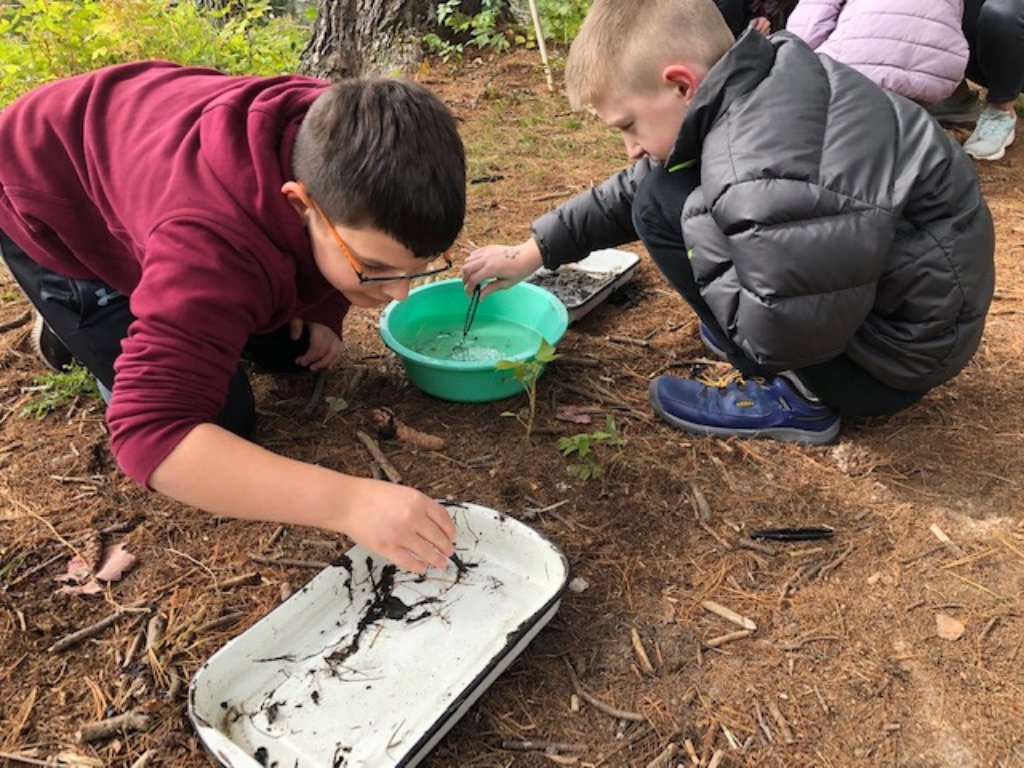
440 517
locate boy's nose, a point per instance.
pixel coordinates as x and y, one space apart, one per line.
633 149
396 290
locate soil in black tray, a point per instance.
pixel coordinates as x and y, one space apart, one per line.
572 286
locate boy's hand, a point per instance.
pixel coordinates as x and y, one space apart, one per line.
402 524
325 348
504 265
762 25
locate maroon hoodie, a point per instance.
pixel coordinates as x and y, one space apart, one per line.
165 183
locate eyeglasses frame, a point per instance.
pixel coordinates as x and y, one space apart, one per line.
358 268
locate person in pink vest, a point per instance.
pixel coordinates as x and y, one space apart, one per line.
915 48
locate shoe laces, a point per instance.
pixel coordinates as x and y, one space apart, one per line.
721 381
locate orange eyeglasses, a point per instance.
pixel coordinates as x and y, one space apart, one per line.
358 268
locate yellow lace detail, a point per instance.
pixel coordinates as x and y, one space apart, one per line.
716 380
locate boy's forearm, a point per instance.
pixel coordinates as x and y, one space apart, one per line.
224 474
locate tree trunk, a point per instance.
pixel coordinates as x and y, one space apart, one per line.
362 37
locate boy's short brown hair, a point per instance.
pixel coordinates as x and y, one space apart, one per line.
623 43
385 153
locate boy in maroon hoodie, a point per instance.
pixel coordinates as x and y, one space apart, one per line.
167 222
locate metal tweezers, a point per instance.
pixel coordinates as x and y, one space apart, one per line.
474 302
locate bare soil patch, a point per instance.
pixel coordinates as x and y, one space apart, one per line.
846 667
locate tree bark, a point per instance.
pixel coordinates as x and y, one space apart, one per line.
366 37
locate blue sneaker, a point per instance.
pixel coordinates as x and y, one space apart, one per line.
735 407
711 342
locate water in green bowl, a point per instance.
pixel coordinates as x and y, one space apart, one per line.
490 339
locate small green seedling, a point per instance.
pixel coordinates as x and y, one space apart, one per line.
527 372
57 390
585 446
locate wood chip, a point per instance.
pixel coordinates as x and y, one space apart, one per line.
948 628
729 615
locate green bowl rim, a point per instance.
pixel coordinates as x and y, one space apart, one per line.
469 365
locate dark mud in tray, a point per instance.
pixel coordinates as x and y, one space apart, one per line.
572 286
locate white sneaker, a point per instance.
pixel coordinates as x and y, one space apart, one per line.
992 135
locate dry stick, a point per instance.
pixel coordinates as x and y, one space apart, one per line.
583 362
688 746
27 760
703 508
641 653
725 543
16 322
388 425
144 759
717 758
137 641
94 629
667 756
641 732
599 705
549 747
630 340
716 642
244 580
951 545
729 615
745 542
784 729
317 395
371 445
831 565
288 562
760 721
541 46
112 726
218 623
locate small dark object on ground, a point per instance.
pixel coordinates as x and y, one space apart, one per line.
794 534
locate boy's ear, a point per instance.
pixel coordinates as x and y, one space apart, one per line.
681 76
295 192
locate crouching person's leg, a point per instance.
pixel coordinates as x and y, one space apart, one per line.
748 402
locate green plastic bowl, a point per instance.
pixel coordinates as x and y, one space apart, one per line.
511 322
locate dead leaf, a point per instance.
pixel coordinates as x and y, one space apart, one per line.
576 414
117 561
948 628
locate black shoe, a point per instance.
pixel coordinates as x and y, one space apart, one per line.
48 347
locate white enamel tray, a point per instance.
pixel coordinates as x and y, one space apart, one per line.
368 665
610 268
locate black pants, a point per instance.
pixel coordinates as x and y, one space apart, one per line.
839 382
995 34
91 319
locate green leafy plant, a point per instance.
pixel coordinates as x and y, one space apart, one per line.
585 447
57 390
526 372
49 39
461 29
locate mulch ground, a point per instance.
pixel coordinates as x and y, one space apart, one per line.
897 641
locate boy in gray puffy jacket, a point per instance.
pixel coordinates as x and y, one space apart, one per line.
831 237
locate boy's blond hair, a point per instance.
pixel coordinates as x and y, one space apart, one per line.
623 44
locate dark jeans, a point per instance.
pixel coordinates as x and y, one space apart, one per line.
91 319
841 383
995 34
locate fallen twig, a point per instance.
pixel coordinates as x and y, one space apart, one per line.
641 653
951 545
17 322
94 629
664 760
784 729
26 759
717 642
378 455
288 562
599 705
244 580
388 425
112 726
729 615
701 506
317 394
144 759
547 747
629 340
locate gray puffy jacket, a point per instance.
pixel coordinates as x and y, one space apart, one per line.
832 218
